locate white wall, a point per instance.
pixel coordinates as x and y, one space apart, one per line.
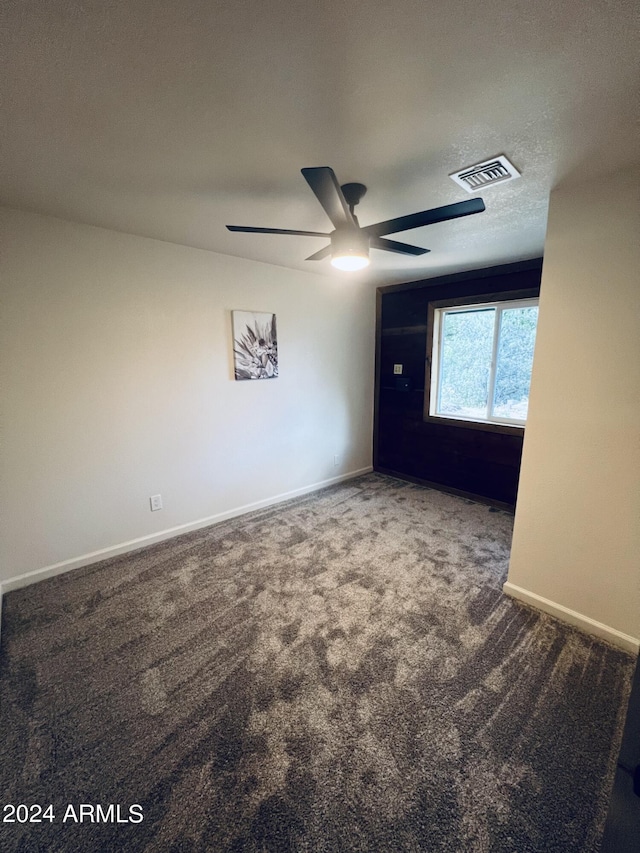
117 384
577 527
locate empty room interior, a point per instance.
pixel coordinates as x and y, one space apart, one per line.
320 493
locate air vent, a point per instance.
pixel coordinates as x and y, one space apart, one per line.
494 171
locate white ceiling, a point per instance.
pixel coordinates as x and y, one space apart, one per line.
172 118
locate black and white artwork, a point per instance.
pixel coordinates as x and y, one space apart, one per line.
255 345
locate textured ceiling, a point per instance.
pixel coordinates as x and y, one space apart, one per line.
171 119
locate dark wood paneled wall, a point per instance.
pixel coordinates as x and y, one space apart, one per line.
462 459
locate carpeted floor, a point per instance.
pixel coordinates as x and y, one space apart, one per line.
338 673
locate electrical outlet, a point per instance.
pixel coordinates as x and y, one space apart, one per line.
336 460
156 502
397 369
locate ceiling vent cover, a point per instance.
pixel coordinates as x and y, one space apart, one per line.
494 171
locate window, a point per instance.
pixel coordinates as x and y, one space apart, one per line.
481 358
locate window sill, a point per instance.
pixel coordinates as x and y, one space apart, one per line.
484 426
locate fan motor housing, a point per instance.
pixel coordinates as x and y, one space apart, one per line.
350 242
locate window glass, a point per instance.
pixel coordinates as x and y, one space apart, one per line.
465 363
515 358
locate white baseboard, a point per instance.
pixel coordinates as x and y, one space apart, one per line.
578 620
114 550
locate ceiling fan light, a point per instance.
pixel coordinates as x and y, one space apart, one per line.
349 251
350 263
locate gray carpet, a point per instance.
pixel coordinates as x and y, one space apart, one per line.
338 673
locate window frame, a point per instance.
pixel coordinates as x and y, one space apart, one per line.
501 300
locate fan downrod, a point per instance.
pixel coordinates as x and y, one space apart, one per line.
353 193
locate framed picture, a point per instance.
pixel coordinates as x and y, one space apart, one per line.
255 345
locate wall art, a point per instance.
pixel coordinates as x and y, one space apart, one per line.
255 345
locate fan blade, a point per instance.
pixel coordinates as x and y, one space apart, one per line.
250 230
326 188
426 217
323 253
394 246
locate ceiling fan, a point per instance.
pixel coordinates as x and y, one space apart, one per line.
350 243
